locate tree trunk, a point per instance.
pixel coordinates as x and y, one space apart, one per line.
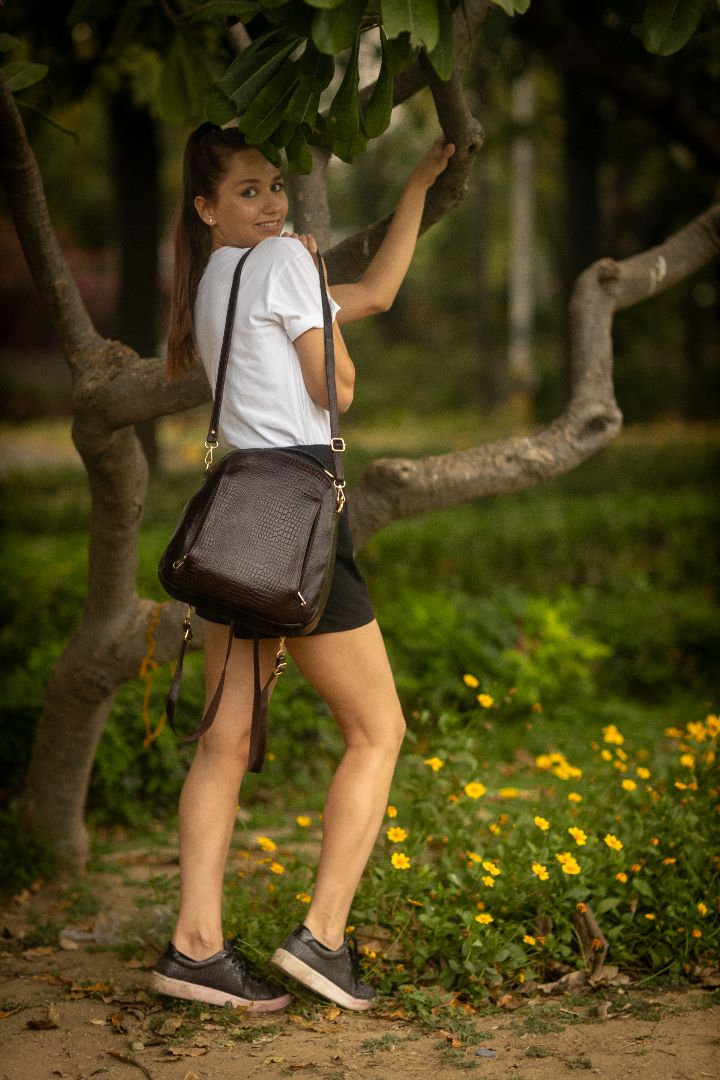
522 376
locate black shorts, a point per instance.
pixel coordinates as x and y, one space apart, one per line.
349 604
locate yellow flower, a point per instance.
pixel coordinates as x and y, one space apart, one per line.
629 785
434 762
494 828
654 840
649 915
578 836
621 754
474 790
540 871
702 908
669 860
544 761
712 723
367 951
266 843
620 766
696 933
303 821
606 755
400 861
642 772
574 797
568 863
613 842
491 868
537 707
303 897
484 918
508 793
391 811
396 835
697 731
277 868
581 907
674 733
688 760
612 735
489 882
680 786
541 822
473 856
471 681
636 867
621 877
485 700
528 939
565 771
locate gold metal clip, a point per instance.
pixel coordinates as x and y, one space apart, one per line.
339 486
280 662
187 628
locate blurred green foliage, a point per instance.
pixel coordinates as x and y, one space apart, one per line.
594 589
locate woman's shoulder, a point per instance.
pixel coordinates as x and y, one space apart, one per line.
280 251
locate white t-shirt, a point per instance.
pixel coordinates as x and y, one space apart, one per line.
265 401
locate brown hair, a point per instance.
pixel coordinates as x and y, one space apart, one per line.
205 162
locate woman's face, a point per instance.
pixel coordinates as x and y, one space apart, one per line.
250 204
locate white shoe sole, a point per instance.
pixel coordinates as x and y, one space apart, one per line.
306 975
176 988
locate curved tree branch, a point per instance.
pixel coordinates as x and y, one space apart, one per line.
26 196
393 488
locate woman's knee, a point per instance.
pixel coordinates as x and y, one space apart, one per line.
384 733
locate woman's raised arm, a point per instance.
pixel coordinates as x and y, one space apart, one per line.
379 284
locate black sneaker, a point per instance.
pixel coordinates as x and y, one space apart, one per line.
221 978
332 973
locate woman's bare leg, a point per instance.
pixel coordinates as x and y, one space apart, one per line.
208 802
352 673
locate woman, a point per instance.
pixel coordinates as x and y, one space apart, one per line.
276 395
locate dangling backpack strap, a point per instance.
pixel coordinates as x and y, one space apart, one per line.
261 695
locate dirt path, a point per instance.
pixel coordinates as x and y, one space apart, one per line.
71 1006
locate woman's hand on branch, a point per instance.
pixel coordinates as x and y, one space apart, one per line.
433 164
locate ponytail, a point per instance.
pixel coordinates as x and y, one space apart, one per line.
205 162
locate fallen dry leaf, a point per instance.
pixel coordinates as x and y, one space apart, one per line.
78 990
170 1025
332 1013
68 944
45 1023
186 1051
39 950
191 1076
4 1013
511 1001
272 1061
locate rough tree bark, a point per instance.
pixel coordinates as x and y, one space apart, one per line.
115 388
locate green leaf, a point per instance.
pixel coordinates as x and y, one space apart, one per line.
298 153
400 53
344 112
21 73
8 42
267 110
350 149
441 56
244 10
418 17
513 7
323 3
249 73
183 82
379 107
668 24
333 29
219 108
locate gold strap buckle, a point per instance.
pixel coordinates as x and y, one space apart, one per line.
339 486
187 628
209 446
280 661
338 445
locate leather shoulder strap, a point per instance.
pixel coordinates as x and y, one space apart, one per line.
212 435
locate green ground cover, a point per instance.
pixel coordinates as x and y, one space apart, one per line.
556 652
